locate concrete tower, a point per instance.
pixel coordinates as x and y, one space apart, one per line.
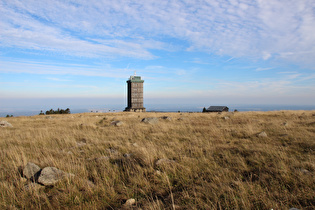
135 94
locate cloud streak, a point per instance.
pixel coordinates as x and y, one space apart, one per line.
261 29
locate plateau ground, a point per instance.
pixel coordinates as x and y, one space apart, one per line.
239 160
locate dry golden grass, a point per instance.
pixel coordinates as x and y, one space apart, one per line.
218 163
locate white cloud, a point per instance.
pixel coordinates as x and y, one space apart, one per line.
131 28
264 69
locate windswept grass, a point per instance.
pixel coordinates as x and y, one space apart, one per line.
214 161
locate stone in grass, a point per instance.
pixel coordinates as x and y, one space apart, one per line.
163 161
117 123
182 119
130 202
5 124
52 175
31 171
263 134
32 186
166 118
150 120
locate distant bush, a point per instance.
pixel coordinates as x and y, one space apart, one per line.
9 115
58 111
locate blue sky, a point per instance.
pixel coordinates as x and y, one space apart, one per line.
201 52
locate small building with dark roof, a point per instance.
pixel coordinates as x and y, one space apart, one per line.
217 109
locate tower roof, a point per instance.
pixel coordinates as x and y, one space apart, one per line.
136 79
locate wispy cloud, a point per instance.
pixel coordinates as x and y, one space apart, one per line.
264 69
129 28
58 79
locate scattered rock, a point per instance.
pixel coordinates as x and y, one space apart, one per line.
70 153
285 124
226 117
127 155
163 161
158 172
81 144
51 175
130 202
117 123
150 120
48 117
182 118
135 145
263 134
31 171
5 124
166 118
112 151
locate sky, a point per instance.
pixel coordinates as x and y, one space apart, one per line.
201 52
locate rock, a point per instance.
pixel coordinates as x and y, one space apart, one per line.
163 161
112 151
166 118
5 124
226 118
81 143
135 145
130 202
48 117
285 124
181 118
31 171
51 175
127 155
263 134
117 123
150 120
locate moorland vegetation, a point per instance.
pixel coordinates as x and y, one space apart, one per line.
241 160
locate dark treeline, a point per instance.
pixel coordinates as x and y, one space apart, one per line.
58 111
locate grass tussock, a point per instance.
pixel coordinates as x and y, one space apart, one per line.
209 161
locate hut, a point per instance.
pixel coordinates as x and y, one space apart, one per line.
217 109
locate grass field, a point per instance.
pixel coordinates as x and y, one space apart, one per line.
211 161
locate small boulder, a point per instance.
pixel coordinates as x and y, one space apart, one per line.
150 120
81 144
130 202
263 134
166 118
5 124
51 175
31 171
135 145
117 123
127 155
